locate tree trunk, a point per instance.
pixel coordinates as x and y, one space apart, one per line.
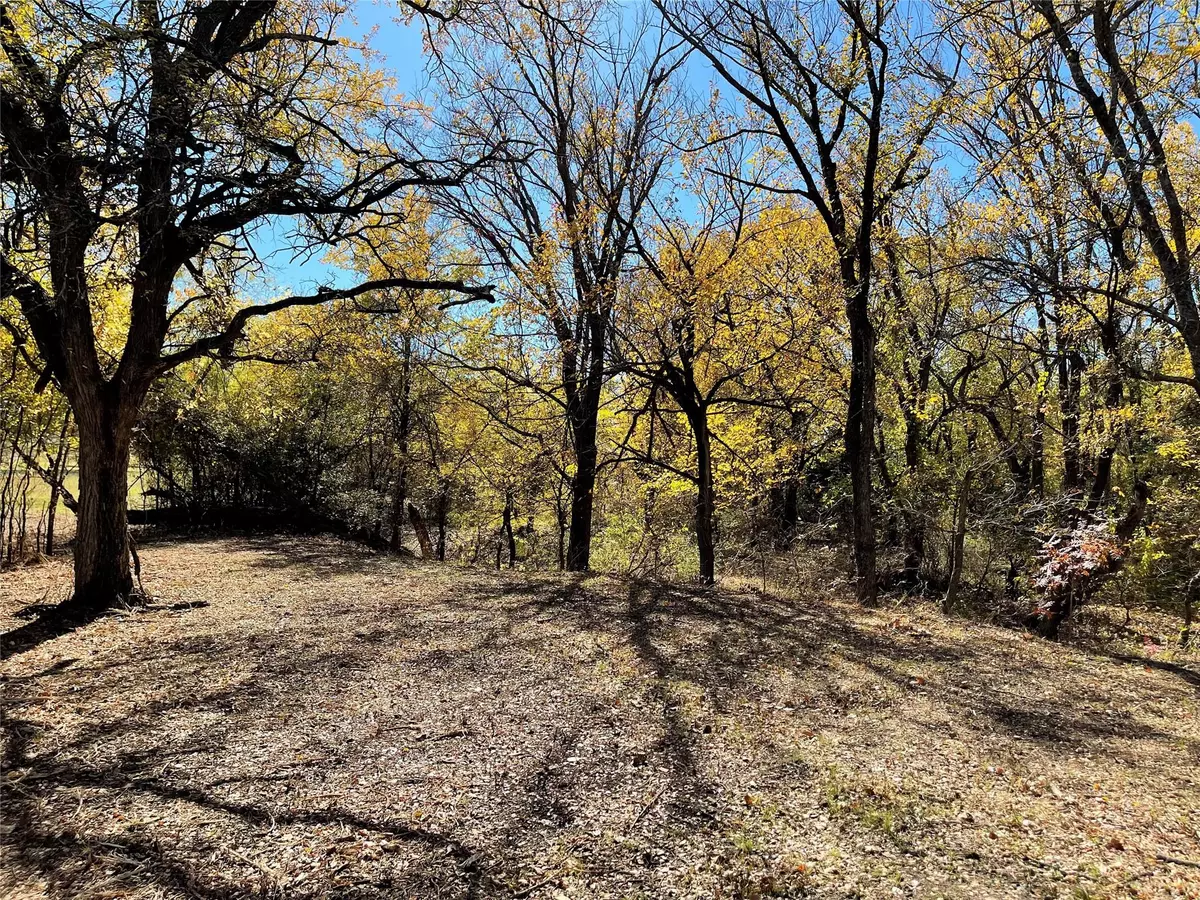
1037 450
1070 376
403 417
1037 454
958 543
50 511
560 514
1114 397
914 519
583 486
507 528
860 437
58 471
443 506
784 503
911 393
705 499
422 532
102 575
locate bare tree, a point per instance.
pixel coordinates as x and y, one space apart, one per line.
1124 62
583 99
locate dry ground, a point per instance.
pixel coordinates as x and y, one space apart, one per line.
299 718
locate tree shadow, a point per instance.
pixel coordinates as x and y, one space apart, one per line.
1189 676
65 852
747 632
49 625
250 725
321 558
53 669
49 846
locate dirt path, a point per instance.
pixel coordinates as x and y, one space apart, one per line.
297 718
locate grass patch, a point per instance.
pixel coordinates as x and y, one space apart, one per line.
874 804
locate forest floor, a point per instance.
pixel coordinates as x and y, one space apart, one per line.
297 717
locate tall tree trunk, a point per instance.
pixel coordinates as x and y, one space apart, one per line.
1037 451
912 401
1114 396
443 506
403 418
583 410
102 574
914 519
560 513
583 487
705 498
860 438
507 527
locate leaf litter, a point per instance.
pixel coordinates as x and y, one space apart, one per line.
299 717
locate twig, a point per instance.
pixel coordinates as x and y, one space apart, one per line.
525 892
1176 860
649 806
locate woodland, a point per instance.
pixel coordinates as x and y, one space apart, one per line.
752 448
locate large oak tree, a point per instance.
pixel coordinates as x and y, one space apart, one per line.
146 145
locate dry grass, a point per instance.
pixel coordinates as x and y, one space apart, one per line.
299 718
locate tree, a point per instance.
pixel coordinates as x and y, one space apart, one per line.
1141 52
723 301
1074 253
920 293
144 143
584 104
820 84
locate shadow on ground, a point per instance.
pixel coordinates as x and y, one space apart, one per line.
407 731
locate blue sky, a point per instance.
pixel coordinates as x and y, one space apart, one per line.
399 46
